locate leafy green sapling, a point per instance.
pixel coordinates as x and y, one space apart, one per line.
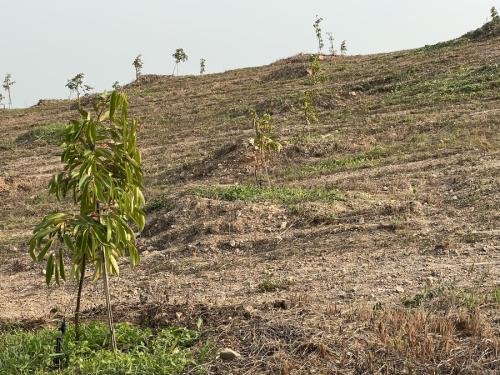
202 66
318 32
179 56
137 63
309 111
103 175
494 15
75 85
331 46
263 143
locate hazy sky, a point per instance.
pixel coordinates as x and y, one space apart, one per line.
45 42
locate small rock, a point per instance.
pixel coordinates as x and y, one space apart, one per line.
281 304
232 243
227 354
283 225
361 220
238 213
455 198
429 280
399 289
385 188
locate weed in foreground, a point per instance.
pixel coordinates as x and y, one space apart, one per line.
141 351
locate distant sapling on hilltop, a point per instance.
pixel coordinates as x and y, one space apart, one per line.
138 66
331 46
202 66
7 84
343 48
179 56
317 30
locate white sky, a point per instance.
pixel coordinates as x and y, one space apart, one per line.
45 42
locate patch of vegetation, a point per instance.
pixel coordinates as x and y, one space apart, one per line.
418 298
7 144
465 82
52 134
141 351
272 285
303 139
159 203
281 194
362 160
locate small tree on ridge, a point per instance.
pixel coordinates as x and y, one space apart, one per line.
331 46
263 143
317 30
75 84
202 66
138 66
7 84
179 56
343 48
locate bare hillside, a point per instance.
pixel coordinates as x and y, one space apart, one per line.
376 250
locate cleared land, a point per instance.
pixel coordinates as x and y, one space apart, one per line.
376 250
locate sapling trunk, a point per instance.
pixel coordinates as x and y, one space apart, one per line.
108 300
10 100
79 299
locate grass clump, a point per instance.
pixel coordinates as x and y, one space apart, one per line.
419 298
51 134
159 203
141 351
366 159
272 285
280 194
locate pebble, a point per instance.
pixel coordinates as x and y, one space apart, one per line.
227 354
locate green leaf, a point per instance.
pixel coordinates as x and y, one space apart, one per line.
61 264
83 180
113 263
42 253
49 271
69 243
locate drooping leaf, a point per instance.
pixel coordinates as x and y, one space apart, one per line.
49 271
